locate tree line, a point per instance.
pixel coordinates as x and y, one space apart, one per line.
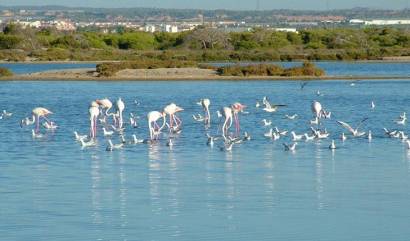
205 44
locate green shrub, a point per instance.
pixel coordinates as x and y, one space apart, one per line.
9 41
4 72
307 69
110 69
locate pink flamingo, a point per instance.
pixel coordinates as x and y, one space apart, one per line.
94 112
227 114
205 103
107 105
154 128
236 108
317 109
120 106
37 113
171 110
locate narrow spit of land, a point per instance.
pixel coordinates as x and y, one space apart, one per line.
190 73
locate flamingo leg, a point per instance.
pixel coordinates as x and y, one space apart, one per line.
37 119
177 121
237 125
224 128
120 120
48 121
91 127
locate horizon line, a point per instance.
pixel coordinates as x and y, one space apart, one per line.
204 9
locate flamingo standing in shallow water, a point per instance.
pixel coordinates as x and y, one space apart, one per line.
37 114
171 110
106 105
94 112
227 113
205 103
120 108
236 108
154 128
317 109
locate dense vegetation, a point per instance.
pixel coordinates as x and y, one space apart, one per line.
205 44
307 69
109 69
4 72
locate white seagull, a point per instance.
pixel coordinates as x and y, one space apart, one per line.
266 122
296 137
290 147
291 117
107 133
79 137
112 147
332 145
355 132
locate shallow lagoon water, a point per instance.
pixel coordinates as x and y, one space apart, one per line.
51 189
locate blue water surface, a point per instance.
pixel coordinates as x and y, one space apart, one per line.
52 189
24 68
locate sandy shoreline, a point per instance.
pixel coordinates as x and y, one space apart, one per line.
192 74
393 59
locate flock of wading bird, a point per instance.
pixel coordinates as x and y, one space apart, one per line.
112 124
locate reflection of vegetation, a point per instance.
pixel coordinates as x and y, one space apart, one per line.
4 72
203 44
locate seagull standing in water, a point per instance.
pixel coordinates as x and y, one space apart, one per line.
402 119
266 122
112 147
343 137
296 137
290 147
79 137
369 135
372 105
332 145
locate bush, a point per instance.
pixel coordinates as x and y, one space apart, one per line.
4 72
9 41
110 69
307 69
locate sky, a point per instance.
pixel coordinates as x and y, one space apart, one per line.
221 4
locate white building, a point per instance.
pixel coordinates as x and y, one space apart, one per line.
149 28
25 24
356 21
170 28
388 22
292 30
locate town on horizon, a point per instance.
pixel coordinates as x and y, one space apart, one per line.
179 20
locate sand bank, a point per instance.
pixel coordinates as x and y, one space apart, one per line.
170 74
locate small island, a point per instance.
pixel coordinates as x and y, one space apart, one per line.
176 70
